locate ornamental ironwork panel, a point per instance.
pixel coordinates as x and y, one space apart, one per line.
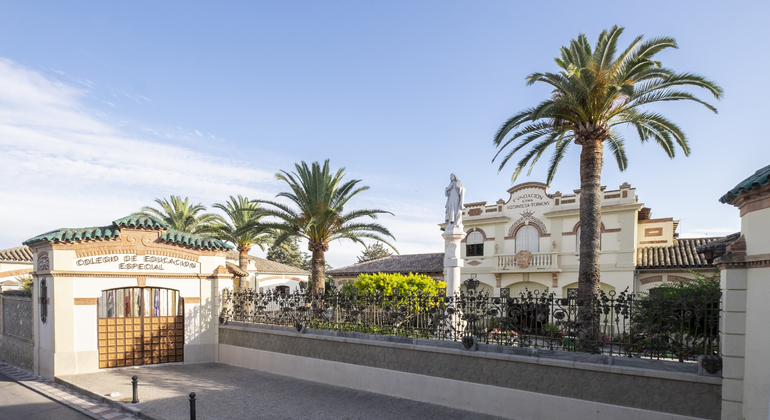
678 326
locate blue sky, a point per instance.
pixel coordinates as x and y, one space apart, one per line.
105 106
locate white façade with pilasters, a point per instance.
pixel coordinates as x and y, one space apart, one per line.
530 241
74 269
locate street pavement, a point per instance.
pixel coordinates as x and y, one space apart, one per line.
24 395
229 392
20 403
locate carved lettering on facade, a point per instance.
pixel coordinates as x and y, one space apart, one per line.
132 262
528 200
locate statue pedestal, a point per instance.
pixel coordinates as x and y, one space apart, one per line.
453 235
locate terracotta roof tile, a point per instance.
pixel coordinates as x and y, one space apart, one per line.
414 263
20 253
234 269
683 254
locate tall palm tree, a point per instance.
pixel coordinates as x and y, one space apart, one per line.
181 215
595 92
319 198
243 230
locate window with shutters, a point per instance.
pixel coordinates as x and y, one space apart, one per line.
528 239
474 245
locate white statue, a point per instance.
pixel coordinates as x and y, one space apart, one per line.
455 195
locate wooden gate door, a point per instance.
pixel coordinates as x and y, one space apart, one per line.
140 326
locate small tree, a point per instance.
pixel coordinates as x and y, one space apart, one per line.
374 252
289 253
25 281
384 283
317 213
418 295
680 317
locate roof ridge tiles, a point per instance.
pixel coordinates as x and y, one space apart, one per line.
113 231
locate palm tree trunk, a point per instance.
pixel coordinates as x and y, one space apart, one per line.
318 272
318 266
590 239
243 263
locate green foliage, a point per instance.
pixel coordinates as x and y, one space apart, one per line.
243 229
25 281
374 251
596 91
317 212
289 253
383 284
702 285
181 215
678 317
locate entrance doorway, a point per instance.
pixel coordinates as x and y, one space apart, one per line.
140 326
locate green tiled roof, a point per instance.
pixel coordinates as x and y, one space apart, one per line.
141 221
173 236
69 235
111 232
760 178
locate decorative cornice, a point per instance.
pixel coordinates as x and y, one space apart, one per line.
482 221
605 209
577 225
476 204
525 185
661 220
132 275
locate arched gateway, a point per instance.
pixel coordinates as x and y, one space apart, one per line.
140 326
131 293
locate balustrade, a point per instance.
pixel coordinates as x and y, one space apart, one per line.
542 261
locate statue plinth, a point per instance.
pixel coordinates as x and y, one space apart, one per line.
453 263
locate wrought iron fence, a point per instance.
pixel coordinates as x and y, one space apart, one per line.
654 326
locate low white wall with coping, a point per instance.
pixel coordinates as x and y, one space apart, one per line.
518 386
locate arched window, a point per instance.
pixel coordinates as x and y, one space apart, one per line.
474 245
528 239
577 241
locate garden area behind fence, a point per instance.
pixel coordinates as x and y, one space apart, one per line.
668 323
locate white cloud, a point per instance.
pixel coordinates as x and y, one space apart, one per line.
66 165
63 166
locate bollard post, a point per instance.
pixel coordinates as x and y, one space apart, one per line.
192 406
135 386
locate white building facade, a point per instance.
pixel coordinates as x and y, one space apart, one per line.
530 241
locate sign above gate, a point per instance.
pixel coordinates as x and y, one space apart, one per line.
136 263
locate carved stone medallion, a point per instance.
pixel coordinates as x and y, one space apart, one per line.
523 258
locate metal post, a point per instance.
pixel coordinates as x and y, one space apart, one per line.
135 386
192 406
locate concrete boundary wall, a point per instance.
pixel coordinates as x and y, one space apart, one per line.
16 329
530 385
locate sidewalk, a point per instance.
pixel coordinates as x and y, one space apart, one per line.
75 400
228 392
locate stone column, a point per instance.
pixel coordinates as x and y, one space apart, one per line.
453 263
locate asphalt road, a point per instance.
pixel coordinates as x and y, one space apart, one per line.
20 403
